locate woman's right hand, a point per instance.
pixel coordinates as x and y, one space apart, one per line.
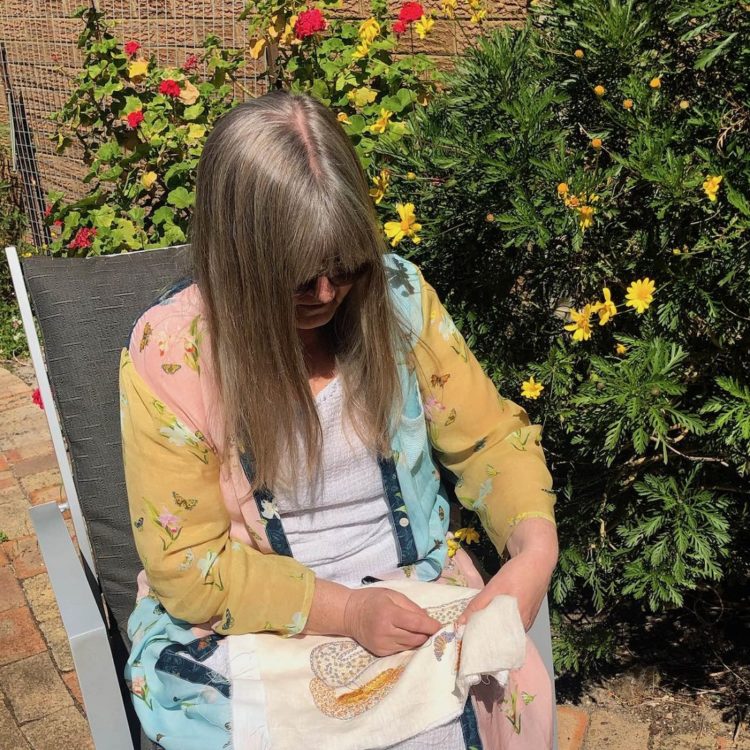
386 622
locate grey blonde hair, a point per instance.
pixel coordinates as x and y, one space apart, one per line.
280 197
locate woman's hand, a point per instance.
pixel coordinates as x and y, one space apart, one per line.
526 576
386 622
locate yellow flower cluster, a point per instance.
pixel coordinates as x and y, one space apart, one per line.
640 294
406 227
448 8
369 29
582 204
469 535
478 12
711 186
381 124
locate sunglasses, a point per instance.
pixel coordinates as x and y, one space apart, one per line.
337 278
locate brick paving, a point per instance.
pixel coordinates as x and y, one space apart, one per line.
40 699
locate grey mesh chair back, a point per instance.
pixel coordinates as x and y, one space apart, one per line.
85 309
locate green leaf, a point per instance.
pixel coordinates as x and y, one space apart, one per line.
161 215
193 112
180 198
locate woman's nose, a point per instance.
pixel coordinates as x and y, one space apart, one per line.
324 291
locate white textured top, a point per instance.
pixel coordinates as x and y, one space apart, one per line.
338 524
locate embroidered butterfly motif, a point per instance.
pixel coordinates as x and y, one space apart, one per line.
441 513
139 523
228 620
188 503
439 380
451 417
170 369
146 337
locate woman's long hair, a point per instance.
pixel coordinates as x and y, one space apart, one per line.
280 197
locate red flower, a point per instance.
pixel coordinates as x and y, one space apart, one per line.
191 63
309 22
131 48
36 397
135 118
170 87
48 210
83 238
57 223
411 12
399 27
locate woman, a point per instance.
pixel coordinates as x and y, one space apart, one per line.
282 411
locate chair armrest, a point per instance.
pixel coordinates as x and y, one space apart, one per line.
86 630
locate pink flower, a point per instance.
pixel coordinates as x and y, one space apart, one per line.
309 22
170 523
431 406
36 397
135 118
190 64
131 48
170 87
48 210
399 27
138 686
83 238
411 12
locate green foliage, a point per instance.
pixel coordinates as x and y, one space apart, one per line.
354 72
141 172
12 227
529 222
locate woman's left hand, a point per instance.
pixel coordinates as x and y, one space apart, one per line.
526 576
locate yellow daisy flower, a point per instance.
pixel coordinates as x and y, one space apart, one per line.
407 227
579 54
581 325
562 189
530 388
606 309
621 348
640 294
381 185
655 82
628 104
599 90
711 186
382 122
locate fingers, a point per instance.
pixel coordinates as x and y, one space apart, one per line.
410 616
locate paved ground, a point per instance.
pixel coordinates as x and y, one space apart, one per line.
40 701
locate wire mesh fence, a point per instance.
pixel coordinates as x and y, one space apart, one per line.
39 59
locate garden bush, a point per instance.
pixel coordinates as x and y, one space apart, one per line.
582 192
